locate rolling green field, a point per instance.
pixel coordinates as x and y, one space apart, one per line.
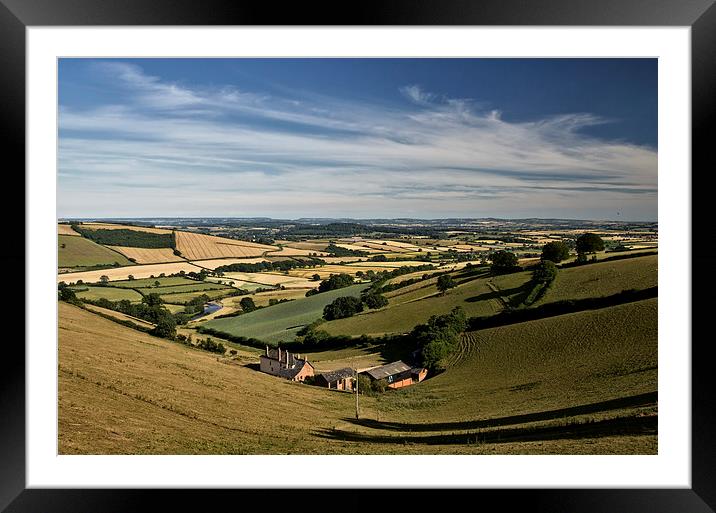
81 252
541 365
508 383
149 282
603 279
110 293
415 304
281 322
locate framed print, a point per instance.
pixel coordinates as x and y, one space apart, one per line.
420 251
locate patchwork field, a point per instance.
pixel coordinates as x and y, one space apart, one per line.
281 322
197 246
120 316
289 252
123 273
74 251
148 255
184 298
151 282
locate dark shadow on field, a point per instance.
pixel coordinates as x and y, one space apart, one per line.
646 425
254 366
602 406
522 291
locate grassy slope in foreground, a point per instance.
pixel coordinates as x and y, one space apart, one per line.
541 365
281 322
124 392
79 251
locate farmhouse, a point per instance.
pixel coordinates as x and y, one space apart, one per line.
397 374
286 365
341 379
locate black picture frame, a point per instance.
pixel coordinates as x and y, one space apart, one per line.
17 15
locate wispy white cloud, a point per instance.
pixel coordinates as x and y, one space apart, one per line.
222 150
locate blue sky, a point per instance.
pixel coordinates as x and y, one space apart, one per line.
362 138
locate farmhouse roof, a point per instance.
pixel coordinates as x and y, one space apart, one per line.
291 372
335 375
388 370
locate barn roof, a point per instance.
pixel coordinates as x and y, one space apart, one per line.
390 369
335 375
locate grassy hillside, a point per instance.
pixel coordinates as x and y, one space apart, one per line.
110 293
281 322
540 365
603 279
81 252
124 392
415 304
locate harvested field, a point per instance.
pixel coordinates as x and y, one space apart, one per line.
218 262
66 229
238 284
149 255
112 226
110 293
197 246
81 252
122 273
120 316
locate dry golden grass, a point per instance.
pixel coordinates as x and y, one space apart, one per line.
112 226
287 281
149 255
124 392
356 247
66 229
263 298
122 273
309 245
197 246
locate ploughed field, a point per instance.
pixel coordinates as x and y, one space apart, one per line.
513 390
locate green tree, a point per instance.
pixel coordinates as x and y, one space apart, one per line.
336 281
166 327
503 261
152 299
67 294
130 277
343 307
588 243
104 279
247 304
316 277
445 282
555 251
544 272
375 300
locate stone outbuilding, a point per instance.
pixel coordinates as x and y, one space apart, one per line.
341 379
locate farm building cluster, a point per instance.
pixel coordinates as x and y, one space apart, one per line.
282 363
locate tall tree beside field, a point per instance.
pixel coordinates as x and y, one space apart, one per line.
588 243
343 307
504 261
152 299
445 283
166 327
247 304
555 251
104 279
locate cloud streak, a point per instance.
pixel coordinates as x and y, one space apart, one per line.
224 151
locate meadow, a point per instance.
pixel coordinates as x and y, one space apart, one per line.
281 322
110 293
